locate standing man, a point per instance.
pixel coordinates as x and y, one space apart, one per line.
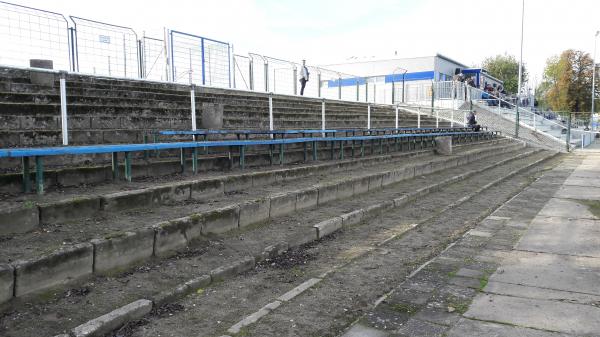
303 77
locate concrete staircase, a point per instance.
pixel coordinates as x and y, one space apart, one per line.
91 238
103 110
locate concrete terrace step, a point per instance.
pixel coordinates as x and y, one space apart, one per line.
166 274
157 189
219 216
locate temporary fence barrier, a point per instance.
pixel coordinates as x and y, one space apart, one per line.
29 33
154 59
106 49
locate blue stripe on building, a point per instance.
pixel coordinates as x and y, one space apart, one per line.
416 76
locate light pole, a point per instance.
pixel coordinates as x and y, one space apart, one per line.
520 73
594 79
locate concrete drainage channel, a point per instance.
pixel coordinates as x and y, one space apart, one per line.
164 238
140 308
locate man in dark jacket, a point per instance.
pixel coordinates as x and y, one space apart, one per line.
472 122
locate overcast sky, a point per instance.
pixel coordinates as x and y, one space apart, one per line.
330 31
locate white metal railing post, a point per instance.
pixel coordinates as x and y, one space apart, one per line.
295 79
534 123
397 116
323 116
419 118
452 118
357 90
271 112
319 83
340 87
437 118
63 108
251 73
266 76
193 105
369 116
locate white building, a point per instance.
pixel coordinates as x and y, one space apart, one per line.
405 79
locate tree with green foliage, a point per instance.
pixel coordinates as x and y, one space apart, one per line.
567 82
505 68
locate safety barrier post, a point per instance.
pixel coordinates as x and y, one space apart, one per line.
357 90
271 112
340 88
369 116
396 117
452 118
419 118
193 105
63 108
534 123
295 79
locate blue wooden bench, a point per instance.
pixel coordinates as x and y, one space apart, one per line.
114 149
333 132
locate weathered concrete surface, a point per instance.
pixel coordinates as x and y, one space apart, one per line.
119 252
327 227
550 281
254 211
359 330
565 208
53 269
307 198
19 219
7 282
282 204
471 328
69 209
563 236
443 145
221 220
539 314
578 192
516 290
114 319
212 116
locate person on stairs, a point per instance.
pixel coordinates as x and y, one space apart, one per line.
304 74
472 122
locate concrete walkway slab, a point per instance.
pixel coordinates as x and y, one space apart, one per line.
556 235
566 208
550 271
538 314
516 290
359 330
578 192
592 180
471 328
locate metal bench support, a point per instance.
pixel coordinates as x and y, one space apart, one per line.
26 175
115 165
39 175
128 166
